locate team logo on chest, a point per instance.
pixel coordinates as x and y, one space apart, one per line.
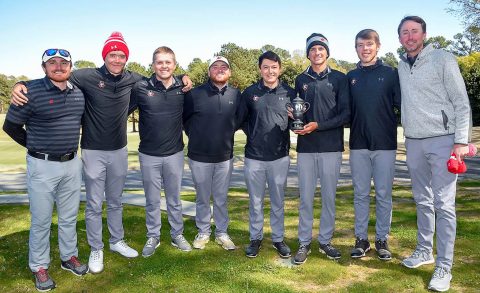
305 87
255 98
380 79
353 82
150 93
101 84
280 98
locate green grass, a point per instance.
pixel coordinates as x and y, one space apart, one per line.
217 270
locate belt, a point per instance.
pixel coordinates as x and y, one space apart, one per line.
56 158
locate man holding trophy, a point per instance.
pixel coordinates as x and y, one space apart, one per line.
320 144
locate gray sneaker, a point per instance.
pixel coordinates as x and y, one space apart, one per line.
418 258
43 282
150 246
181 243
201 240
440 279
225 241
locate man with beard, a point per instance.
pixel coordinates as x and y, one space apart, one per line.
54 171
210 124
104 144
160 103
435 117
320 144
264 113
375 93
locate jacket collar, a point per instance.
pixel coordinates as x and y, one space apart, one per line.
153 81
370 67
110 76
312 74
425 51
215 89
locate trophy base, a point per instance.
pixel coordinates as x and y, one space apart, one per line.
297 126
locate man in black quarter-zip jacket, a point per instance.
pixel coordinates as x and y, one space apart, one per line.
210 123
160 103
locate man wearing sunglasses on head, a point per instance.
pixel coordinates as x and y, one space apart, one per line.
104 152
52 120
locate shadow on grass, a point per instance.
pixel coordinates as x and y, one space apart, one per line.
217 270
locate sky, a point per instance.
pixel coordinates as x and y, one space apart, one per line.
198 29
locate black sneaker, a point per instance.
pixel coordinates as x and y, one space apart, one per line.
253 248
382 250
75 266
43 282
282 249
362 246
302 253
330 251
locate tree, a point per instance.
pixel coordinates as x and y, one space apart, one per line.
468 42
294 66
470 69
390 59
83 64
468 10
243 63
197 71
6 85
138 68
282 53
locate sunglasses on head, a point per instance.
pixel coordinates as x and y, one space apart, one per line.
50 53
53 52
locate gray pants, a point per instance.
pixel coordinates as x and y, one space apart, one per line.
211 179
434 191
312 166
104 175
49 183
380 165
166 172
258 174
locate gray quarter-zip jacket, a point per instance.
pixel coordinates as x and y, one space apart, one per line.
434 97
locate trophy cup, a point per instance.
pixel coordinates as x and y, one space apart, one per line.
298 107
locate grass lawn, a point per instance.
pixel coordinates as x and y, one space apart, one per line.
217 270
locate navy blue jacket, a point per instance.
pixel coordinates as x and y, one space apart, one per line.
265 121
329 98
375 93
210 122
160 116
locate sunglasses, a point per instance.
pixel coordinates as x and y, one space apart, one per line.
50 53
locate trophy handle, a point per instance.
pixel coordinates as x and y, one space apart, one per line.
306 106
288 105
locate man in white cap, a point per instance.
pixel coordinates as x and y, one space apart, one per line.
54 171
210 122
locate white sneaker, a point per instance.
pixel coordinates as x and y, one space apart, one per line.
122 248
181 243
418 258
440 279
95 261
225 241
201 240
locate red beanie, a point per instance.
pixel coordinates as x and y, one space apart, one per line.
115 43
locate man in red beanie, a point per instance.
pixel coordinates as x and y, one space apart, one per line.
104 143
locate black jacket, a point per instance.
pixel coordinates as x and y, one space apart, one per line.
104 125
160 110
265 121
375 92
329 98
210 122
